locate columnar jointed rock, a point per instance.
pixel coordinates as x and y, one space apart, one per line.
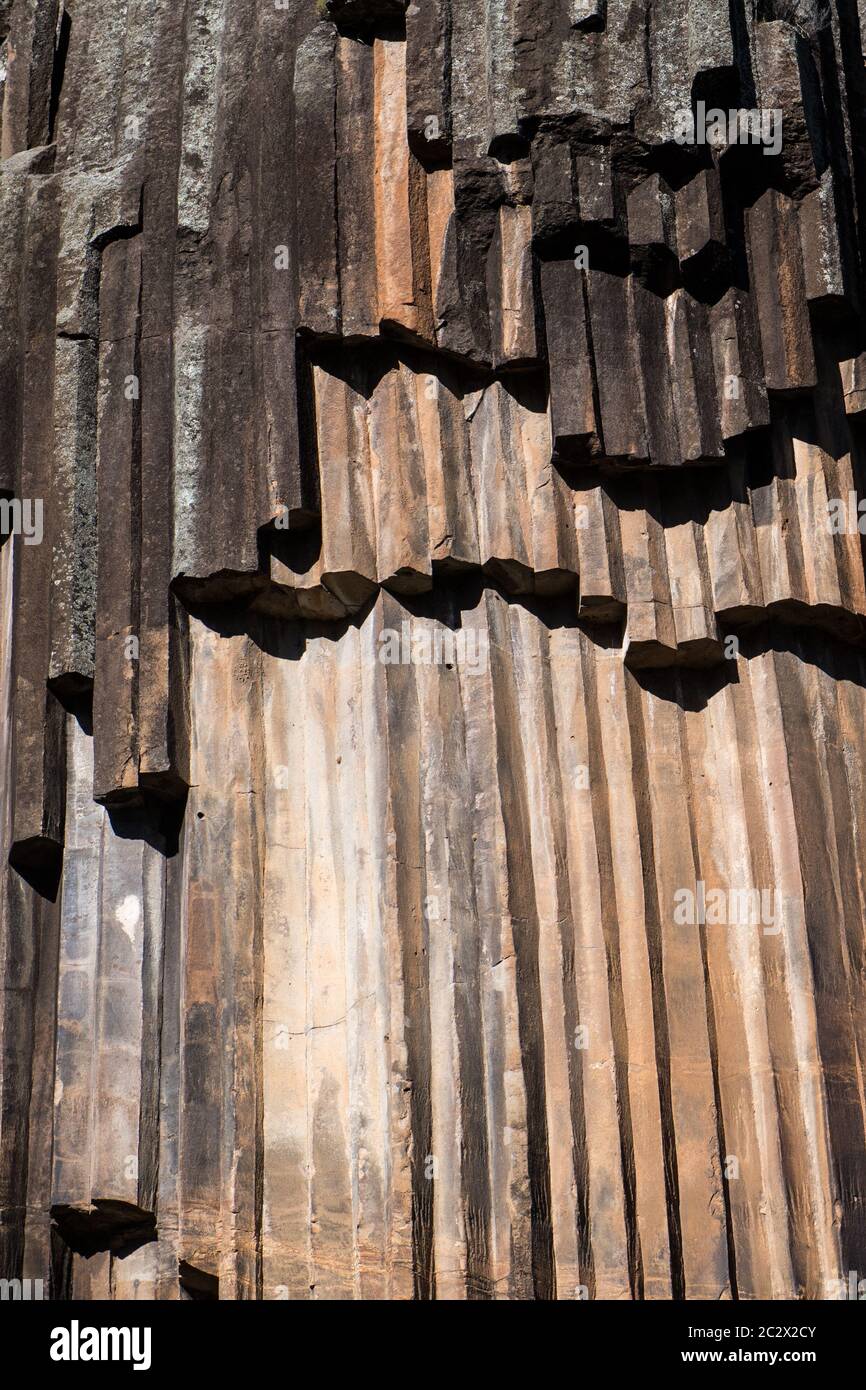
433 652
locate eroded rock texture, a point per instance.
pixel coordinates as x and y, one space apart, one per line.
449 565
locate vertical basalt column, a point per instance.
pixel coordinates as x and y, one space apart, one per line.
106 1138
38 739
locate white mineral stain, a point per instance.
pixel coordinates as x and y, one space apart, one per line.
128 914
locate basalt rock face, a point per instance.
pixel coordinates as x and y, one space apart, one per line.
433 678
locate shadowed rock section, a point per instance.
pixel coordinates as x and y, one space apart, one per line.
449 565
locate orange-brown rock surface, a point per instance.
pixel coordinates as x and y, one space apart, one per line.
432 649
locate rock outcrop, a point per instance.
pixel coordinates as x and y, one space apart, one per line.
433 651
